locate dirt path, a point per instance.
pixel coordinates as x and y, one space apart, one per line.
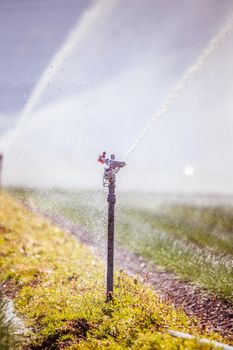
214 312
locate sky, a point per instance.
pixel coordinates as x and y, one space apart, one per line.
81 77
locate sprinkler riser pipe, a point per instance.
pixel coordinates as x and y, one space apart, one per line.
111 220
109 180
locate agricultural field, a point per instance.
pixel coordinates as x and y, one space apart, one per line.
128 103
194 241
57 287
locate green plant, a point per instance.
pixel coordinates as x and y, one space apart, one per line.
58 288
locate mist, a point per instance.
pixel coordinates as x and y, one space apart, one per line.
111 85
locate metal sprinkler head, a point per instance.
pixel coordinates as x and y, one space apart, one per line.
113 166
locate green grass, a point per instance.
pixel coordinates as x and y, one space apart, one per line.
58 288
194 242
176 253
211 228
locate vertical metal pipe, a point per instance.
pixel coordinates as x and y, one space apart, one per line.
110 182
111 214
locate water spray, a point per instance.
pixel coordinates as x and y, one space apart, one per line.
204 56
74 40
109 180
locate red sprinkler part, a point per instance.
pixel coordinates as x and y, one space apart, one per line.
102 158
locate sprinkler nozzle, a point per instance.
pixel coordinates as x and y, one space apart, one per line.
112 169
116 164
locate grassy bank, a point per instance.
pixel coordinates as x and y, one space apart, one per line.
57 286
195 242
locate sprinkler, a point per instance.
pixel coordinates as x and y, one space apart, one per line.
109 179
